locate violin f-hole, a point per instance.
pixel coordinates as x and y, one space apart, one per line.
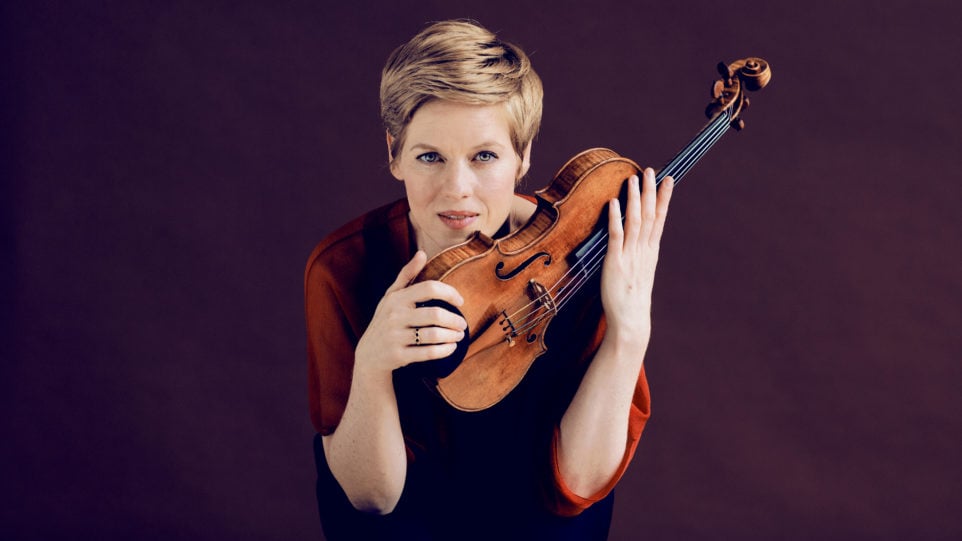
524 264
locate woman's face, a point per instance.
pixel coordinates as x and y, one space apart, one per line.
459 171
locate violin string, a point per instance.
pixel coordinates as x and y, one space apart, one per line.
690 155
682 163
583 270
713 131
566 286
700 145
676 169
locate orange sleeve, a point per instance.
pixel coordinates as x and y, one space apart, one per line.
344 278
330 350
565 502
560 499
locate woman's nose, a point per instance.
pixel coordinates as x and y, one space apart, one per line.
459 180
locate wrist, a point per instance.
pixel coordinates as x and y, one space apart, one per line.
370 375
626 339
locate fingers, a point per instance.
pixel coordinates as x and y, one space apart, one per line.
423 345
432 316
433 290
403 330
427 336
649 201
428 332
661 209
645 212
417 354
625 232
628 277
637 209
433 333
422 291
616 232
409 271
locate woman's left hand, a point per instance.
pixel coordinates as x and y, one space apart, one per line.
594 429
629 269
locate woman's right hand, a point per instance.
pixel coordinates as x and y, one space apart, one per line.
366 452
401 332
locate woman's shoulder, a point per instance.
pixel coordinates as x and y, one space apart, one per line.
345 244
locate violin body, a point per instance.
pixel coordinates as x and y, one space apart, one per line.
514 286
516 278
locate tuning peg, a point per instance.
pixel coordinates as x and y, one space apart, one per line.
738 124
725 72
746 103
717 89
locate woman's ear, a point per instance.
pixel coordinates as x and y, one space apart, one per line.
525 162
390 154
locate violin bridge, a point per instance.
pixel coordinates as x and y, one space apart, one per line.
540 295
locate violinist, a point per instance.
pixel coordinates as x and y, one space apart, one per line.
395 461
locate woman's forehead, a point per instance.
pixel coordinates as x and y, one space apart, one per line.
439 123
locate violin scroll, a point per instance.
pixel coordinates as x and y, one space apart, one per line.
729 92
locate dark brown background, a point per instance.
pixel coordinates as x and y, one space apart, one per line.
167 167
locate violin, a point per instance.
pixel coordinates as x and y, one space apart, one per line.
515 285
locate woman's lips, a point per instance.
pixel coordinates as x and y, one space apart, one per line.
458 219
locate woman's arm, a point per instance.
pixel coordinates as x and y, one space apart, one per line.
366 452
594 429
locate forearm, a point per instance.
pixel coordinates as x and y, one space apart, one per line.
366 452
594 429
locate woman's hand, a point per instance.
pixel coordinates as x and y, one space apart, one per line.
593 430
629 269
401 333
366 453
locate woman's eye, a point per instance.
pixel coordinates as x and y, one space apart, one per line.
486 156
429 157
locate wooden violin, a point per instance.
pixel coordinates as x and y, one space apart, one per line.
522 280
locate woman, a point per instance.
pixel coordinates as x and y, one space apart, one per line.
461 109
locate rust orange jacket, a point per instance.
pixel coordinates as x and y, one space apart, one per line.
346 276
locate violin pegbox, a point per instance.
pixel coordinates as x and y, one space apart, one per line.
747 74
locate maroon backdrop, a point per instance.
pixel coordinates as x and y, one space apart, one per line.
167 168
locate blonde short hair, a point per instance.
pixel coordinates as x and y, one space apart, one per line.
463 62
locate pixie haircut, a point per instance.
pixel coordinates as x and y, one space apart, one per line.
462 62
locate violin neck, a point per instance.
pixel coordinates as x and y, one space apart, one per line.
706 138
589 256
